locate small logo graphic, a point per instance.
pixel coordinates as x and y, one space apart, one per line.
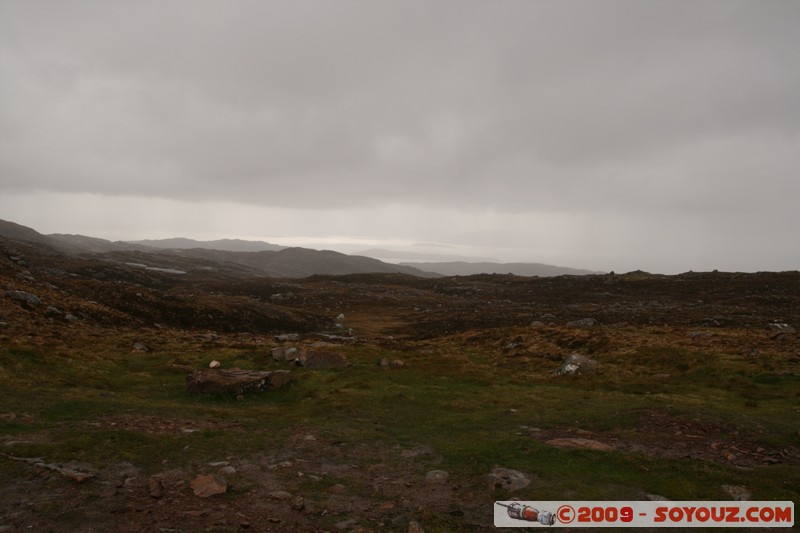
566 514
517 511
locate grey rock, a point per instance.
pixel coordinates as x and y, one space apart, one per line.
575 364
287 337
655 498
435 477
738 492
780 327
582 323
280 495
507 479
140 347
414 527
317 359
69 317
24 298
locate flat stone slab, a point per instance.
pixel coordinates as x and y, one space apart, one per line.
236 382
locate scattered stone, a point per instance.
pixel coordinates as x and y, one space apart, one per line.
537 324
24 298
287 337
227 470
575 364
738 492
214 364
397 363
384 363
655 498
279 495
780 327
321 360
299 503
207 337
69 317
579 443
414 527
345 524
236 382
340 317
582 323
508 479
140 347
699 334
437 477
155 488
208 485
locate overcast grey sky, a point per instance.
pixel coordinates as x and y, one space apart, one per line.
612 135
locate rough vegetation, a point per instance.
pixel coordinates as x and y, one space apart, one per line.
453 395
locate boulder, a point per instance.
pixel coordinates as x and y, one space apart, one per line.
575 364
236 382
317 359
24 298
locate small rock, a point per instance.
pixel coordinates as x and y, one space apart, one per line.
155 488
280 495
414 527
575 364
780 327
298 504
436 477
340 317
397 363
208 485
345 524
69 317
384 363
214 364
227 470
738 492
579 443
655 498
508 479
140 347
537 324
287 337
582 323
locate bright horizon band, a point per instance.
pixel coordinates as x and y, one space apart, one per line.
643 514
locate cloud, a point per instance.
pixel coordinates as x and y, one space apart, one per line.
643 111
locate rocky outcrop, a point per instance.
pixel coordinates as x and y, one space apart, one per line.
317 359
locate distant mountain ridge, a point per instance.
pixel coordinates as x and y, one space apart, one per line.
261 258
462 268
169 255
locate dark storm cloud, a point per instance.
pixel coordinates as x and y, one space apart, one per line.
513 105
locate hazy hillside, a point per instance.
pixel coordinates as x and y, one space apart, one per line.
461 268
282 262
228 245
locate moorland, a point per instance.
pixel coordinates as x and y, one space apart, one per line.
455 394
